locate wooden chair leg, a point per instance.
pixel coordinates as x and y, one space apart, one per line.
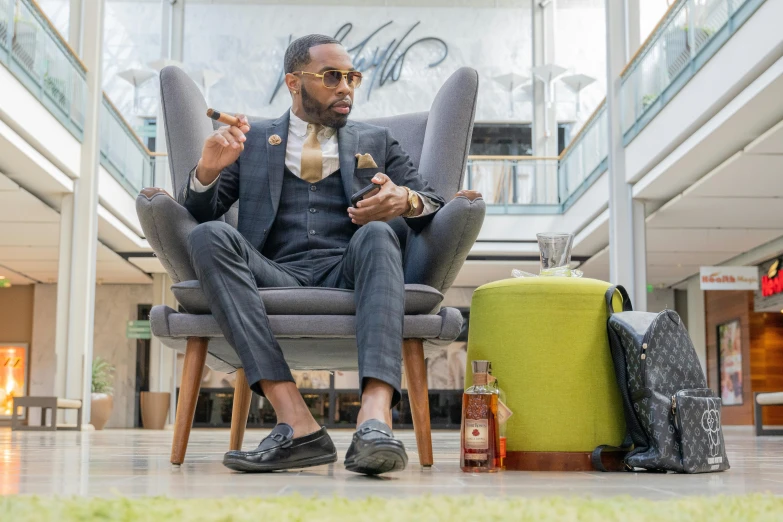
240 411
192 370
418 395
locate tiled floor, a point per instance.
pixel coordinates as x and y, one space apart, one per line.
136 463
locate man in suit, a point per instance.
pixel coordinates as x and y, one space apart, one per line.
293 178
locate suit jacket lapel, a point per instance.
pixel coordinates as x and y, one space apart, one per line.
348 143
275 157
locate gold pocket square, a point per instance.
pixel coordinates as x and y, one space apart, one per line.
365 161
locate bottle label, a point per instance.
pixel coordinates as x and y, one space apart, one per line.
477 434
503 412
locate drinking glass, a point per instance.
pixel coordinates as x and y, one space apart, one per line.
555 252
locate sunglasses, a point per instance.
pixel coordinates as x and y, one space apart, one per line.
331 79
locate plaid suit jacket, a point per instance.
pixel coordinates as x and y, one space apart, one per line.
256 178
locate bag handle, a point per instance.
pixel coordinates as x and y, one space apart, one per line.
596 458
627 306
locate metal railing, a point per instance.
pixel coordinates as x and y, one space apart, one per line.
122 152
36 54
43 62
585 158
514 180
511 184
689 34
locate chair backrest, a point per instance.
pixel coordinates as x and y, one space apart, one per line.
440 148
437 141
187 126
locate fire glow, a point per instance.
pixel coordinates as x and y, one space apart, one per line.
12 377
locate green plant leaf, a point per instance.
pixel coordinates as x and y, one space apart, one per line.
102 378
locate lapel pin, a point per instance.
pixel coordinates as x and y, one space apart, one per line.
274 139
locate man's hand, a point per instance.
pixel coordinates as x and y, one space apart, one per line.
221 149
390 202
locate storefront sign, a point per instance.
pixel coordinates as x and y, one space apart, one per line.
769 297
772 281
138 330
386 58
729 278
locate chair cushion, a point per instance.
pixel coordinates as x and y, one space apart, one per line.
71 404
321 342
419 299
766 399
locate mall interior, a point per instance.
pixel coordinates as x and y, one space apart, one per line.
650 130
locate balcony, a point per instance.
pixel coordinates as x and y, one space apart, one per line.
688 35
534 185
38 56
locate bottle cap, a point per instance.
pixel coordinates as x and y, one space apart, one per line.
481 366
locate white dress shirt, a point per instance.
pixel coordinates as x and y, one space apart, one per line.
327 137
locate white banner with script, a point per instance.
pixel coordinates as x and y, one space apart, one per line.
729 278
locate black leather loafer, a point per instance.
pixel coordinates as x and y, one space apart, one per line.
374 450
280 451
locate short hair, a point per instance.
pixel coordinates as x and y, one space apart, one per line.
298 53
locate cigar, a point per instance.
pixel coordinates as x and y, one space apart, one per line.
224 118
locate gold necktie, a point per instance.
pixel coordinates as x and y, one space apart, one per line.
312 156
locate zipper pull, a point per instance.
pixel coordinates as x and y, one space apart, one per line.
674 404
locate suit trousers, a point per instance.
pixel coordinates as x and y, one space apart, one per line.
230 271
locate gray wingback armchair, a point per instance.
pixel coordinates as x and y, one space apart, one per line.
315 326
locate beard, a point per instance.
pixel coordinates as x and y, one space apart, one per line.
320 114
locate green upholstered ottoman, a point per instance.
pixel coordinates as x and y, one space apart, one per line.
546 338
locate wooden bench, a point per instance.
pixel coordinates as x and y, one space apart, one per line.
766 399
52 404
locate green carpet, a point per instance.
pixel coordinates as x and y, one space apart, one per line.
422 508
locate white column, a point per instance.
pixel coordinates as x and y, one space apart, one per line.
177 34
172 38
75 25
626 248
633 30
544 118
697 320
163 360
62 316
85 219
544 133
640 256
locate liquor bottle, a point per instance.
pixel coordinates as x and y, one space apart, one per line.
503 415
480 438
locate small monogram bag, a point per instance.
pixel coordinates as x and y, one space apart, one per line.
673 420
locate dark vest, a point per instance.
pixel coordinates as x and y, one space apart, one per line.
312 220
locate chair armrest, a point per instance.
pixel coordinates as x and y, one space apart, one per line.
166 225
434 256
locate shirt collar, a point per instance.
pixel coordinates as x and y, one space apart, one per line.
298 127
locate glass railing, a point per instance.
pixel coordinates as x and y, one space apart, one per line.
530 184
122 153
690 32
43 62
513 180
585 158
34 52
687 36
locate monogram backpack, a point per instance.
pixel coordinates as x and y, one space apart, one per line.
673 420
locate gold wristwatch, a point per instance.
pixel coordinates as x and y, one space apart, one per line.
413 203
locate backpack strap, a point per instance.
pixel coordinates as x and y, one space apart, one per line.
609 296
596 458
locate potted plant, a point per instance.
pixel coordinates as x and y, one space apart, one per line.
154 409
101 402
648 100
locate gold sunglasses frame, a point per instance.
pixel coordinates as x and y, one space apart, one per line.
344 77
